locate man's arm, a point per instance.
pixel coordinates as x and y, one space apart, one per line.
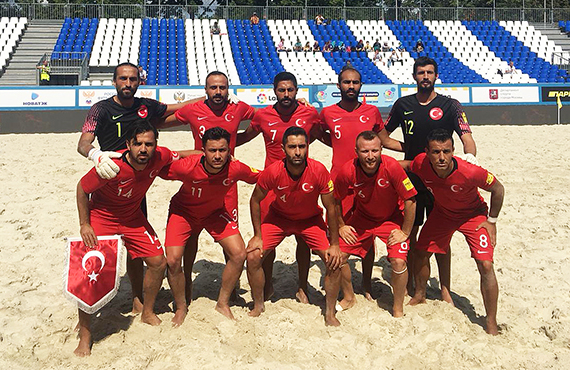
388 142
104 165
469 146
333 254
171 108
255 209
400 236
166 122
497 197
246 136
85 143
346 232
86 231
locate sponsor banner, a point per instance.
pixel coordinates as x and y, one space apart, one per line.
40 98
265 96
175 96
550 93
460 93
378 95
505 94
146 93
88 97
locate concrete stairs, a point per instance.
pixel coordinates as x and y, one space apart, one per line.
38 38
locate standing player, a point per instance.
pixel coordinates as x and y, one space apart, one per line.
199 204
417 115
114 208
297 182
110 121
458 207
381 184
342 123
272 121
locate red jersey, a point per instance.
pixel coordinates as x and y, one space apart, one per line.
345 126
273 126
457 195
200 118
120 197
376 197
202 191
296 199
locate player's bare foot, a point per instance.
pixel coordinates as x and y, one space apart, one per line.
302 296
417 300
84 347
368 296
151 319
331 320
345 304
397 312
179 317
446 297
257 311
225 310
492 327
137 306
268 292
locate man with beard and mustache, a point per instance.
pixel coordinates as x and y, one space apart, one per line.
272 122
110 121
417 115
342 122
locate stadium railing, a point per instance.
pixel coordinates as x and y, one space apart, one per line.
70 64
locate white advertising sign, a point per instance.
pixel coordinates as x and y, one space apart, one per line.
505 94
264 96
40 98
88 97
459 93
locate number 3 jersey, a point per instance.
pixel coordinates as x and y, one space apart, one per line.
110 122
417 120
119 198
202 192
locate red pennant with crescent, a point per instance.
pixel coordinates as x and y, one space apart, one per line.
92 275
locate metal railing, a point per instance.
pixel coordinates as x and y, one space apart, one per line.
65 63
60 11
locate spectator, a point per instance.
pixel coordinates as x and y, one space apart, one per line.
334 46
307 47
341 46
377 59
394 57
348 49
377 46
142 74
281 45
298 46
386 48
254 18
215 29
348 64
45 70
327 48
367 47
419 46
511 69
400 48
319 20
360 46
316 47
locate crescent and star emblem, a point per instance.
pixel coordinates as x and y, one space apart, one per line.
153 173
101 256
306 187
227 182
228 117
297 122
382 182
364 119
456 188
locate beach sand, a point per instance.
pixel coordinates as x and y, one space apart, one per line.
39 174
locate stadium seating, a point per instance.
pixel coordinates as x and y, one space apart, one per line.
76 35
116 41
509 48
11 30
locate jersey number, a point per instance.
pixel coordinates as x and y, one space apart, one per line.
483 241
118 129
337 131
409 126
201 131
197 192
273 133
127 194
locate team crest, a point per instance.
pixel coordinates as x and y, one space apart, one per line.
436 113
143 111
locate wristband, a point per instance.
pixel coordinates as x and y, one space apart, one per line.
92 153
492 220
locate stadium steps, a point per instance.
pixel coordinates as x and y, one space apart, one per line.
39 38
555 34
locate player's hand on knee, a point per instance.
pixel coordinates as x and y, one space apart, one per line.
233 98
333 257
468 157
348 234
104 165
255 244
491 229
397 236
88 235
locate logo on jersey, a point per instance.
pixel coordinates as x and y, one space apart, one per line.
490 178
153 174
299 123
364 119
382 182
229 117
436 113
254 170
330 185
307 188
408 184
179 96
143 111
456 188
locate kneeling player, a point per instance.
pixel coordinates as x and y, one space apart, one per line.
297 182
114 208
458 207
380 186
199 204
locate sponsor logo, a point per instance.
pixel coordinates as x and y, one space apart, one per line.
272 123
429 181
336 119
88 96
321 96
261 98
143 111
436 113
146 93
117 117
179 96
553 93
330 185
201 118
282 187
490 178
482 252
408 184
493 94
197 182
254 170
35 96
408 112
357 185
123 182
389 94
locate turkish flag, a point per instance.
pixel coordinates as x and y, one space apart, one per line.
91 276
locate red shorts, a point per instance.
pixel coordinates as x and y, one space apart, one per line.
313 231
231 202
366 237
181 225
437 232
139 237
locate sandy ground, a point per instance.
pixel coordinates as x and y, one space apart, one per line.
37 210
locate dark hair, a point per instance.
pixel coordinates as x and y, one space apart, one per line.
215 133
125 64
216 73
348 68
425 61
440 135
140 127
294 131
284 76
367 135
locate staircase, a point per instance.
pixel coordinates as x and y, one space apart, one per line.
39 38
